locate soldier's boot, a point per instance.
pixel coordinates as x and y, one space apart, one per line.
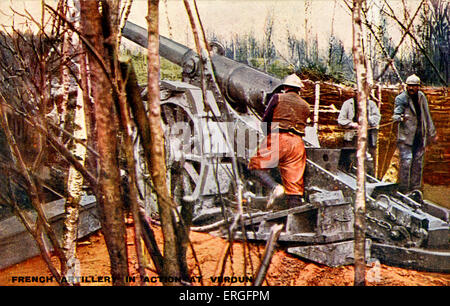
276 193
294 200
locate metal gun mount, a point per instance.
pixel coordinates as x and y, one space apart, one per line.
204 134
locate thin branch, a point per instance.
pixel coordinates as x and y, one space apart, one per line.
418 44
37 238
59 147
394 53
390 59
89 46
34 193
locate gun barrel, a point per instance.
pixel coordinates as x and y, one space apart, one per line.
169 49
239 83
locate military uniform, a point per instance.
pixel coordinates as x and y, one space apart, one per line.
415 130
349 114
283 147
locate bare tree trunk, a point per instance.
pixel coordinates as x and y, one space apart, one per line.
65 79
307 29
157 163
74 190
109 195
126 124
360 64
75 179
143 127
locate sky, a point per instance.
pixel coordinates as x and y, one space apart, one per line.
226 18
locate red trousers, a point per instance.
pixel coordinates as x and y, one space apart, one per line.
287 151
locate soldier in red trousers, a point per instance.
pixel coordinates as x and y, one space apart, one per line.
286 116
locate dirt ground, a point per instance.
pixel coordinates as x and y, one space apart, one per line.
285 269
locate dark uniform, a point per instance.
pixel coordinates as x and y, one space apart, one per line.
415 131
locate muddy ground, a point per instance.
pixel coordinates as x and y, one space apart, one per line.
285 269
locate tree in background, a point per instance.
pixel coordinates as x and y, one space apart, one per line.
425 53
433 33
385 43
268 49
334 64
340 63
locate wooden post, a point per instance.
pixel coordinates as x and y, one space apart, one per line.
268 254
377 150
316 105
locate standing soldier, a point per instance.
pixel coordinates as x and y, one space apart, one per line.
348 119
286 116
415 131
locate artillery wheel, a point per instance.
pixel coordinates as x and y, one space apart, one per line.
184 162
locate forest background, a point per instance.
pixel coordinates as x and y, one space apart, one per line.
310 37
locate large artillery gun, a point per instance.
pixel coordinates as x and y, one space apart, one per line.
212 126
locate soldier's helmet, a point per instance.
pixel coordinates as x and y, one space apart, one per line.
413 80
292 80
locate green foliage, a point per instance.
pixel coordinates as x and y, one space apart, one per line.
280 69
169 70
139 62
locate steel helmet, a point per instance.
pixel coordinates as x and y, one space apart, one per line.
292 80
413 80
